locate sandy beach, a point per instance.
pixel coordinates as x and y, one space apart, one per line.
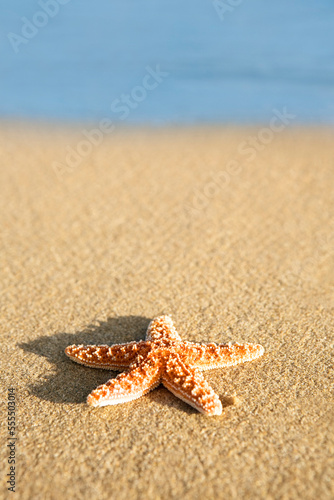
228 230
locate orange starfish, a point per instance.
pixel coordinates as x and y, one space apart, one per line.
161 357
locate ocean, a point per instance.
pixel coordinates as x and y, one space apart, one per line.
167 61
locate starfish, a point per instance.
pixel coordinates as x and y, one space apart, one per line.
163 357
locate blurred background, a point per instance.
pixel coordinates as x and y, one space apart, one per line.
230 61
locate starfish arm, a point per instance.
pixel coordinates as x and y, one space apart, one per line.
161 328
116 357
206 357
140 379
188 384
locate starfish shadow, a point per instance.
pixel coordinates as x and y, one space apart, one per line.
70 382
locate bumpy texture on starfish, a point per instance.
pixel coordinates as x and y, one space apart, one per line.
161 358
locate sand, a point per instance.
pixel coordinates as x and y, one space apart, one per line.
161 222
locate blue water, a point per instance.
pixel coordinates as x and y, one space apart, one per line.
235 67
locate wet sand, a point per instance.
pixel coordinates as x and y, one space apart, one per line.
234 245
